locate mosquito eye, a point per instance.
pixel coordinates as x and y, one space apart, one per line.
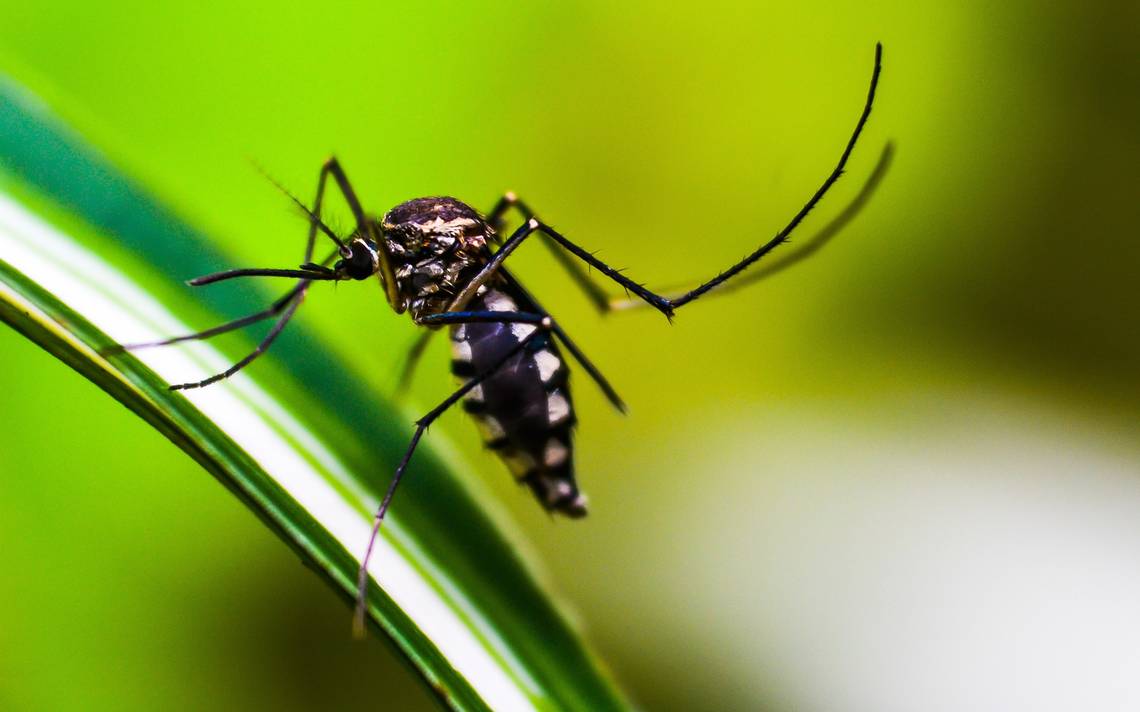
358 265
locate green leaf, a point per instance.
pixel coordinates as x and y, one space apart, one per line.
309 455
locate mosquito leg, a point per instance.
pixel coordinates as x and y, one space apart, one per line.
485 317
488 270
388 277
573 268
591 369
783 234
286 305
804 249
422 425
315 216
273 310
286 315
505 203
668 305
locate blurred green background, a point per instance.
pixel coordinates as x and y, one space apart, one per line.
901 476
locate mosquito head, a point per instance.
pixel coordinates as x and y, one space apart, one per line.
361 261
434 244
431 227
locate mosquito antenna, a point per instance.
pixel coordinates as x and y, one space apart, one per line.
313 217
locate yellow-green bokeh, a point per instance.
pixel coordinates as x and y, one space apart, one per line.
988 290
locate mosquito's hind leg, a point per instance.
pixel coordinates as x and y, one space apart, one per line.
606 304
801 251
573 268
665 304
544 324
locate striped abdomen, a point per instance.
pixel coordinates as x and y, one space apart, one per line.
523 409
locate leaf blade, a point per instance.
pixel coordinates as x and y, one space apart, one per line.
511 626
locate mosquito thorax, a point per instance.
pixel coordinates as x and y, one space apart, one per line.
436 245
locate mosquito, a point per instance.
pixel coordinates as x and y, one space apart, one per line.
442 262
